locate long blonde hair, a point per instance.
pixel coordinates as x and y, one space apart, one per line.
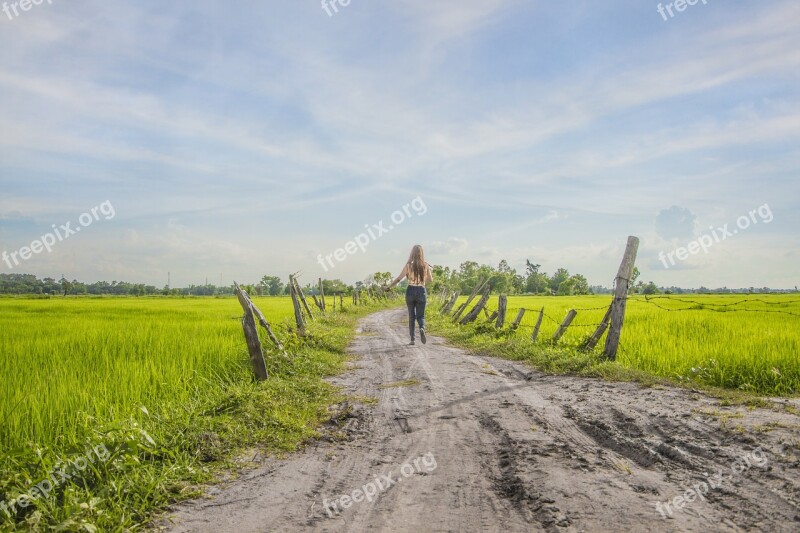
417 267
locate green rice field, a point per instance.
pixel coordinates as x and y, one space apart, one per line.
746 342
163 384
64 359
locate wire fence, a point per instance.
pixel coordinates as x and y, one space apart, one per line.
589 319
715 307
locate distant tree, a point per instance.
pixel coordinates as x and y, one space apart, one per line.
561 275
503 279
535 281
380 278
650 288
336 286
566 287
443 278
66 286
272 285
581 285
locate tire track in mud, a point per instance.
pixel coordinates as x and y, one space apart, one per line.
514 451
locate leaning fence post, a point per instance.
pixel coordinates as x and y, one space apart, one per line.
463 307
564 325
322 294
520 314
262 320
472 315
621 285
502 306
538 325
251 336
298 313
448 306
293 279
598 333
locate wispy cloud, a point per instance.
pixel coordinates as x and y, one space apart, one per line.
581 122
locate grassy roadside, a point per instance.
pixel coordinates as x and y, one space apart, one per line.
117 475
484 338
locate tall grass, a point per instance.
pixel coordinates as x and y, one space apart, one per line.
164 384
714 340
64 359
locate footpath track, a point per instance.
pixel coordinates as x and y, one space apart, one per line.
461 442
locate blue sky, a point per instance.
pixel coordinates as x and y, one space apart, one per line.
239 139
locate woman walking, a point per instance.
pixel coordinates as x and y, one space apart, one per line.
418 272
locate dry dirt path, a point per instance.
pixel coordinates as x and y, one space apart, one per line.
473 443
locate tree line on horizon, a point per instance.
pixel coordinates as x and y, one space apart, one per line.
503 279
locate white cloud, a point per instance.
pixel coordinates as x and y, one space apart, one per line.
454 245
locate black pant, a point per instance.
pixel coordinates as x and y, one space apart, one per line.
416 298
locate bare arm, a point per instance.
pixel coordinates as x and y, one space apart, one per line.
399 278
428 273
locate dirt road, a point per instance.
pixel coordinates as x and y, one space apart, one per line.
460 442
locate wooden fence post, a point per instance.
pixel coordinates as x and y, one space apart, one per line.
322 294
517 320
538 325
472 315
502 306
592 341
492 317
621 285
448 306
262 320
251 336
463 307
564 325
298 313
293 279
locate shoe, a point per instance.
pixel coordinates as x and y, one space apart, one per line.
422 335
411 343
